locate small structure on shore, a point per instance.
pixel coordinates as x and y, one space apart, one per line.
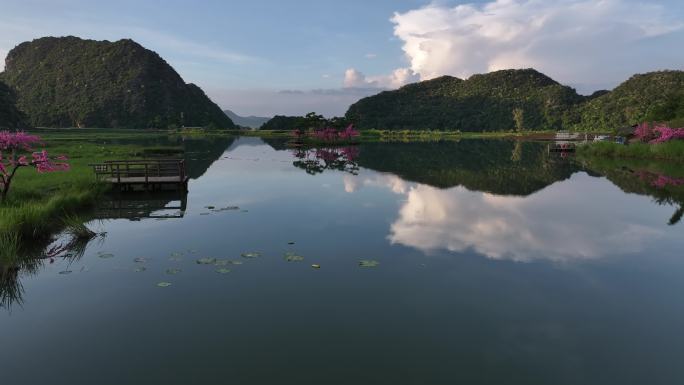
150 175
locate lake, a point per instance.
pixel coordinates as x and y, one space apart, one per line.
474 262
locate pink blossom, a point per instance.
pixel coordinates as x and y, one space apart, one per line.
15 148
657 133
659 180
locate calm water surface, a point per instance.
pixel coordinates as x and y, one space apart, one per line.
498 264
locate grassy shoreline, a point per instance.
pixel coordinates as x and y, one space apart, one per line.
38 204
668 151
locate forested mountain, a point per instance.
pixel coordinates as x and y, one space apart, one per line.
72 82
655 96
520 99
486 102
281 122
246 121
10 116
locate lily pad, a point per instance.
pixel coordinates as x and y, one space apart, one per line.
140 260
292 257
164 284
140 269
209 207
251 255
316 266
105 255
223 271
291 243
229 208
65 272
223 262
206 261
368 263
173 271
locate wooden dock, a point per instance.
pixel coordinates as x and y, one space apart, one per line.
153 174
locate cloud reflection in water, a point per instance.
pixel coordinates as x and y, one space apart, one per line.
581 218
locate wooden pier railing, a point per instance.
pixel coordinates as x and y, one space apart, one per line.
147 173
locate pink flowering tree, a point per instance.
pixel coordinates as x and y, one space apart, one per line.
657 133
16 151
331 134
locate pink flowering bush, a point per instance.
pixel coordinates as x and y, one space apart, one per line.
328 134
659 180
657 133
16 151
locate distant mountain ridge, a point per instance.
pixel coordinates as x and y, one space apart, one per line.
526 99
72 82
246 121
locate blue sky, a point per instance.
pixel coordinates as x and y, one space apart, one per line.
270 57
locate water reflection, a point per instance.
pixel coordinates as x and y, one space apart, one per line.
137 205
581 218
30 259
317 160
444 304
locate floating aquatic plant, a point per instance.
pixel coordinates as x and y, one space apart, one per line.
105 255
65 272
140 269
251 255
293 257
173 271
206 261
164 284
223 271
368 263
140 260
316 266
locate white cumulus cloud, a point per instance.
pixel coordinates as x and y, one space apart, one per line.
586 43
353 78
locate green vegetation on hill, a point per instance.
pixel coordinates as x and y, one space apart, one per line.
310 121
488 102
285 123
10 116
521 100
655 96
72 82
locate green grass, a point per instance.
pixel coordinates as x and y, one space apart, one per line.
37 204
671 151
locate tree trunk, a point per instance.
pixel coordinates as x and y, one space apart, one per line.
7 183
